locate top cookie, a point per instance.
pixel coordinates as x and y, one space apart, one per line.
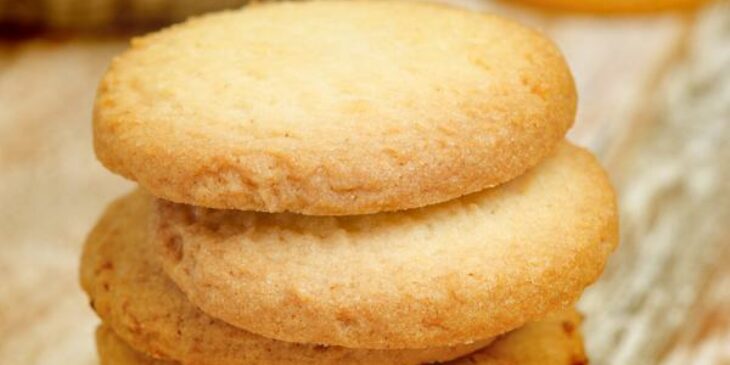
332 107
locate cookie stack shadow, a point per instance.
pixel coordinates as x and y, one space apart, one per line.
344 182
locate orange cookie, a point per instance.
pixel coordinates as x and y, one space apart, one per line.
553 341
615 6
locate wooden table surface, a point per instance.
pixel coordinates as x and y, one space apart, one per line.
654 105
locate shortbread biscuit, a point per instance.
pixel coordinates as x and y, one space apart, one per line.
133 297
616 6
332 107
452 273
553 341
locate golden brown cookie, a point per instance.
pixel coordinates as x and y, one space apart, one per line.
332 107
615 6
555 340
134 298
452 273
113 351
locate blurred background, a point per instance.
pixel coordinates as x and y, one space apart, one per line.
654 106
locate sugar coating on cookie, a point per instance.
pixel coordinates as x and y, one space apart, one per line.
555 340
131 294
332 107
616 6
456 272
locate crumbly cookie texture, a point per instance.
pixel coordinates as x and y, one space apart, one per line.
616 6
555 340
131 294
332 107
442 275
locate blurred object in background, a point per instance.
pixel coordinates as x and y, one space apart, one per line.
615 6
101 14
665 296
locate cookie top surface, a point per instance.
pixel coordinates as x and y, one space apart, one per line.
133 297
332 107
555 340
615 6
456 272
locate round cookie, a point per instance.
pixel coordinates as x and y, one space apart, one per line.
452 273
615 6
133 297
332 107
553 341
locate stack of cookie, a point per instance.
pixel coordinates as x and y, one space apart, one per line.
344 182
